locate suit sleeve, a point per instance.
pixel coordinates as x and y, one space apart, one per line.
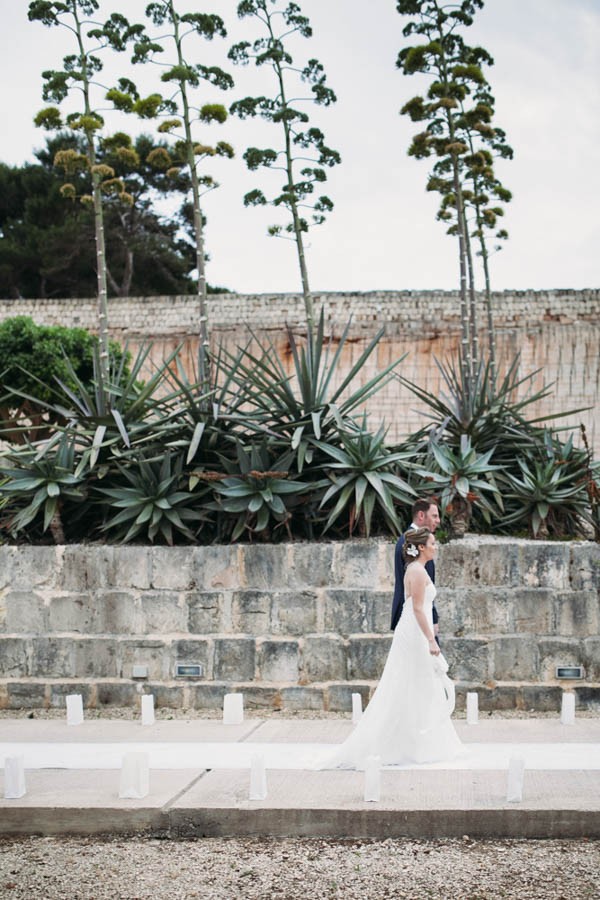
430 568
398 602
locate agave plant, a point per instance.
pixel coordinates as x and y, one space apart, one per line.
550 493
463 478
312 404
37 485
256 491
489 412
151 502
363 480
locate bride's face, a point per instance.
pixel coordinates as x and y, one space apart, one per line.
429 550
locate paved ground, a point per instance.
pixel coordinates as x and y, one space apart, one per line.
416 803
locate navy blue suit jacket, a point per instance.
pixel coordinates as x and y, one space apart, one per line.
399 585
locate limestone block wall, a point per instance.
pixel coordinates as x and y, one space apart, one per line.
557 332
292 625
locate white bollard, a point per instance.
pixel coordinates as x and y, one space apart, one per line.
357 709
233 709
74 709
472 708
567 712
372 779
258 778
14 778
516 773
147 709
135 777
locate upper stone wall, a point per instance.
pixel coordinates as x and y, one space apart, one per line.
555 333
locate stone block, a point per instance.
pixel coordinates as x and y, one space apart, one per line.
165 696
587 697
205 612
339 696
367 656
117 613
591 658
474 611
234 659
71 612
258 696
162 612
324 658
544 564
498 564
207 696
14 657
95 658
26 695
468 658
576 613
117 693
193 651
302 698
346 612
172 568
386 575
533 610
6 566
294 613
355 564
52 658
458 565
491 699
558 651
216 567
515 659
264 567
311 565
379 611
131 567
585 566
251 612
24 612
58 693
86 567
540 697
278 661
33 567
156 655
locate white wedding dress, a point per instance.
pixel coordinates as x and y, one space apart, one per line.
408 718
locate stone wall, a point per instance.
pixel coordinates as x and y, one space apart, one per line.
557 332
292 625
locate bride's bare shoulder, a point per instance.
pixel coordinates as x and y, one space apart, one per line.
417 574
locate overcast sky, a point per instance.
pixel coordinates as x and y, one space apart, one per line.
382 233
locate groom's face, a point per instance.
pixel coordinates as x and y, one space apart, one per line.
431 519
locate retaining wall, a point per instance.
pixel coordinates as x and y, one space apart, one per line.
295 625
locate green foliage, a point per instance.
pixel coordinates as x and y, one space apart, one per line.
259 496
38 485
364 481
39 357
549 493
150 501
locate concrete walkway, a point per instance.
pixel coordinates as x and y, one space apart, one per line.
188 796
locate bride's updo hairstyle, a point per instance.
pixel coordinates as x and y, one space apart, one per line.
413 539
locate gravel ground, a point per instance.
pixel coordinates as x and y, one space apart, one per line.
149 869
115 712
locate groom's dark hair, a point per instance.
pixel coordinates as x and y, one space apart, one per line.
422 505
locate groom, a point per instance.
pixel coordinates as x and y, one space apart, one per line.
425 514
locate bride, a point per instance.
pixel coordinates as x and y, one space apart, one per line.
408 718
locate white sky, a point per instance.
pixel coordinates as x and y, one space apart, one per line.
382 233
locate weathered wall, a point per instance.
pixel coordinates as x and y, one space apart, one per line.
294 625
555 331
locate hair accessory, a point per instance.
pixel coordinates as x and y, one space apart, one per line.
411 550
